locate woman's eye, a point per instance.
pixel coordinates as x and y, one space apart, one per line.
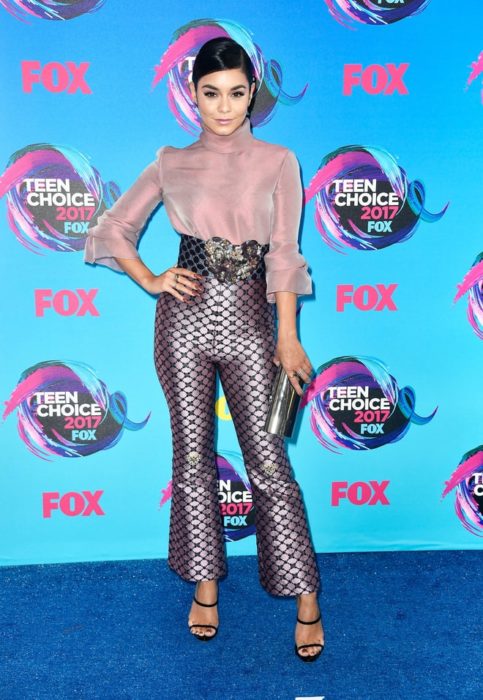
210 93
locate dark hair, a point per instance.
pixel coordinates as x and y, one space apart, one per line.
222 53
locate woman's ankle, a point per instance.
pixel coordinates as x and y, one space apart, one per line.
207 589
307 600
209 583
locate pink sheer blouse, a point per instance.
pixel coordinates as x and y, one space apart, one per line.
236 186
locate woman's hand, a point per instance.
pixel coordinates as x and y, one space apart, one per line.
175 280
291 355
178 281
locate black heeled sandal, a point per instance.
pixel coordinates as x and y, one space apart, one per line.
309 657
204 637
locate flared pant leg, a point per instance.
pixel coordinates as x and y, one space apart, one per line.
287 563
230 329
187 374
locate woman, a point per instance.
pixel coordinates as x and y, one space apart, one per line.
236 203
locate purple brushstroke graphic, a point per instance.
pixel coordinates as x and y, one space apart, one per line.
63 409
50 226
360 380
176 64
467 482
50 9
473 285
351 225
235 493
350 12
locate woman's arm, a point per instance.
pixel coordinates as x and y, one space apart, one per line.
289 352
286 268
287 275
113 240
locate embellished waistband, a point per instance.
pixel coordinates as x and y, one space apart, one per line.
218 257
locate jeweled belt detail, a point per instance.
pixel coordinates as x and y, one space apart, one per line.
228 262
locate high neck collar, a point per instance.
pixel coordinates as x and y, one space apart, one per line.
228 143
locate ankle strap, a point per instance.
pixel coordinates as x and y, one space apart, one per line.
312 622
206 605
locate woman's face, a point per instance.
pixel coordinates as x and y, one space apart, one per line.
223 98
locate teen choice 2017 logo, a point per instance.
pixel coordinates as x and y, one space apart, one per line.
234 494
472 285
63 409
177 64
236 498
53 196
356 404
467 483
374 12
50 9
363 200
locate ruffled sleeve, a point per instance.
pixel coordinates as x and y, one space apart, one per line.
286 268
117 230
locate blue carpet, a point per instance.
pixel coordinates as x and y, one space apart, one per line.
397 625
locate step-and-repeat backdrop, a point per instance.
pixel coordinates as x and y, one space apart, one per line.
382 103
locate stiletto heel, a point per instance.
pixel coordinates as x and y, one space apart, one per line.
204 637
309 657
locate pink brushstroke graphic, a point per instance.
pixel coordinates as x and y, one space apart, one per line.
176 65
476 71
467 482
386 419
38 218
473 285
63 409
350 12
350 225
235 495
167 493
50 9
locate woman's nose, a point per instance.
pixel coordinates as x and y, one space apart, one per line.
223 105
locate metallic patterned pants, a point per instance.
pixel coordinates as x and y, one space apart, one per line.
230 328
